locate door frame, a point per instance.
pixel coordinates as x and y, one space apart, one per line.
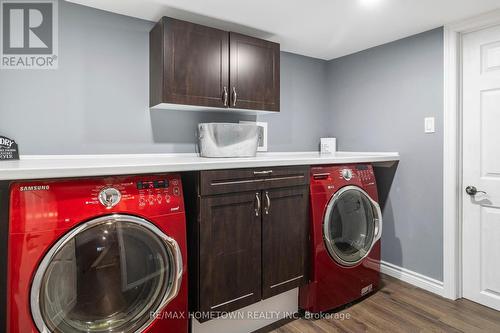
452 148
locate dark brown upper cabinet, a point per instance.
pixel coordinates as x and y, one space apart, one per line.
196 67
254 73
189 64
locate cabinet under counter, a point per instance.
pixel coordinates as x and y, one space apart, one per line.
248 242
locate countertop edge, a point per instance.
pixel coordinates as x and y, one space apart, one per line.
40 167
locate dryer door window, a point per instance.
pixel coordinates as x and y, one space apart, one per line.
107 275
351 226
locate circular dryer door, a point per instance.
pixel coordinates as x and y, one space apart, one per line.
352 225
106 275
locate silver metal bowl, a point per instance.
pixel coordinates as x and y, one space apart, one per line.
228 139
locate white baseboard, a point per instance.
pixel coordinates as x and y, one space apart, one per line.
414 278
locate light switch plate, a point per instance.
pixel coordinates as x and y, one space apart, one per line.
429 125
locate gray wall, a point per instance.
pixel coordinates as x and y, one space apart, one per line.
378 101
301 122
97 101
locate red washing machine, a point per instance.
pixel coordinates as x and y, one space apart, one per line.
97 255
346 225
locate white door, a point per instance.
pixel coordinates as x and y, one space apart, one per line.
481 166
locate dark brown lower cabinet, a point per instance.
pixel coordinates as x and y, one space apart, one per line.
245 246
230 252
285 241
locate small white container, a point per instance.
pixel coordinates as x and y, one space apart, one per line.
328 146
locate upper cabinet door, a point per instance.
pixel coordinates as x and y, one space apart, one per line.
254 73
195 61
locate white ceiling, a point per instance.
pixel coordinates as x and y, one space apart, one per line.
323 29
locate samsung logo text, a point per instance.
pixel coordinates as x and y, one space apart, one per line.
35 188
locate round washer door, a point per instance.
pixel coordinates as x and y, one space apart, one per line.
351 226
106 275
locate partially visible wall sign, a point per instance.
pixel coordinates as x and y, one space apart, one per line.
8 149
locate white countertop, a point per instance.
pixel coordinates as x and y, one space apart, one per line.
61 166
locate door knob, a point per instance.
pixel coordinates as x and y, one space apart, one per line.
472 190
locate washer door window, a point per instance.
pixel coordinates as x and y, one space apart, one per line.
352 225
107 275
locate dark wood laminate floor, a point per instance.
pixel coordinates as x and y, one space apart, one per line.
400 307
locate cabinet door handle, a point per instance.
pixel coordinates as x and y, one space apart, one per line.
264 172
235 96
225 96
257 198
268 203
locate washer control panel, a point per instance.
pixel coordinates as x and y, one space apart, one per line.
346 174
55 204
151 184
154 194
365 173
109 197
332 177
160 193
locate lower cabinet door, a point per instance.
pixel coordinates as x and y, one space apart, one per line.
285 239
230 251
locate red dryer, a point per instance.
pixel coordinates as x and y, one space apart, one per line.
346 225
97 255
